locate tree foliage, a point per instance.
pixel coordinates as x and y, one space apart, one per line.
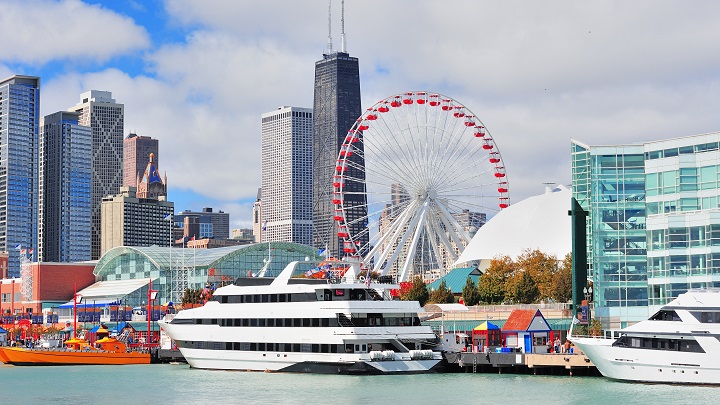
542 268
526 291
192 296
562 281
442 295
418 292
470 293
492 284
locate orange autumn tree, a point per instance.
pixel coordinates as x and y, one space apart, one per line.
542 268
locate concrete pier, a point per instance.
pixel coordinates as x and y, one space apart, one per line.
521 363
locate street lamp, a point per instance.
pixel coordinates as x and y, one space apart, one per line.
588 293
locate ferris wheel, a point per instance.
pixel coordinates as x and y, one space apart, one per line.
432 174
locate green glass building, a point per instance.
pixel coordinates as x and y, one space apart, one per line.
653 223
198 266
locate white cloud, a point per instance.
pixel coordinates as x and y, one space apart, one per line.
536 73
38 31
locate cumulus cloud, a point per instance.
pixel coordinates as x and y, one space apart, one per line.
38 31
536 73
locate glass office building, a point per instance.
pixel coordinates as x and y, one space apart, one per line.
64 189
653 222
19 121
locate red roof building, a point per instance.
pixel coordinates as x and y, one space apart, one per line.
528 330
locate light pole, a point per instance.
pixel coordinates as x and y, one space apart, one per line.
588 296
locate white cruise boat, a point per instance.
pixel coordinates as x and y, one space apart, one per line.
679 344
309 325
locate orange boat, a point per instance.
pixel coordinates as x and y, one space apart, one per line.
107 350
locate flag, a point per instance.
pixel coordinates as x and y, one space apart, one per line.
367 279
192 238
30 251
168 217
22 251
321 251
264 227
18 246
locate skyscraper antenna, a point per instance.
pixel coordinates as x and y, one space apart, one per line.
342 27
330 46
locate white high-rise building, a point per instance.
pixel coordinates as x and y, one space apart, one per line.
287 183
99 111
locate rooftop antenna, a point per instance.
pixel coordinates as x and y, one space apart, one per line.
342 27
330 47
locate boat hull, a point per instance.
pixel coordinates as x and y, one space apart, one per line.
307 363
642 365
37 357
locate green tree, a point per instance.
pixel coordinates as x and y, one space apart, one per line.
418 292
562 281
442 295
526 291
492 284
470 293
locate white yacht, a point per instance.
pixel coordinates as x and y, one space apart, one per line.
291 324
679 344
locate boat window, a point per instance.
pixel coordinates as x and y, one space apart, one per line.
281 297
306 322
265 297
297 322
707 316
253 322
349 348
271 322
316 322
288 322
261 322
665 315
273 298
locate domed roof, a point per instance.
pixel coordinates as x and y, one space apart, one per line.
540 222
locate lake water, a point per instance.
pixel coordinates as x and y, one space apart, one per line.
179 384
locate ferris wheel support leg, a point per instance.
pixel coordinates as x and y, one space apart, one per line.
386 244
406 235
418 225
433 229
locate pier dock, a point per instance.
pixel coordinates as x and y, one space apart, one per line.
521 363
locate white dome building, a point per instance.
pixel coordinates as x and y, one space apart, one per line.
540 222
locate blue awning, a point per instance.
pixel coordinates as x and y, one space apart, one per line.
90 304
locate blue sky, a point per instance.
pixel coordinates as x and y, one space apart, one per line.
197 75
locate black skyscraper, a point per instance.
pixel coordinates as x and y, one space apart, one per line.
336 107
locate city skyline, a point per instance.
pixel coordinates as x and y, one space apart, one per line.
536 74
